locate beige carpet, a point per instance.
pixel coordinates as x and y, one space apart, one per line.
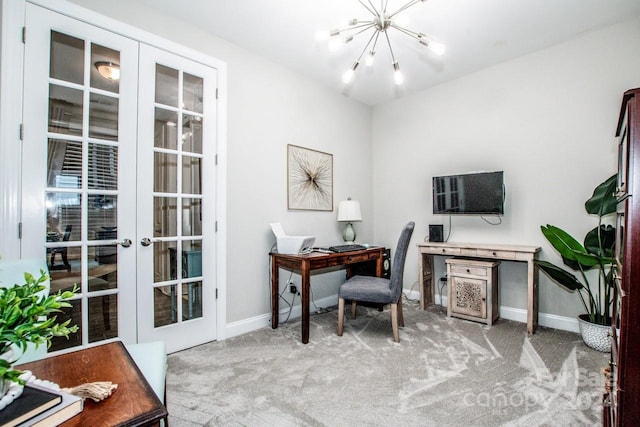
444 371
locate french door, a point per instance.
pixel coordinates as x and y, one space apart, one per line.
116 181
176 144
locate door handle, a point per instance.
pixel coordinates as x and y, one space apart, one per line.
125 243
146 241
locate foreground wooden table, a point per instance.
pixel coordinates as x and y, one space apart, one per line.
133 403
304 263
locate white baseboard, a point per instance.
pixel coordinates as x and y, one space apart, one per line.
264 320
517 314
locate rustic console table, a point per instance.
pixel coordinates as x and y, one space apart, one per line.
526 254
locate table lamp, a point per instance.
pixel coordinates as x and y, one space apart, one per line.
349 211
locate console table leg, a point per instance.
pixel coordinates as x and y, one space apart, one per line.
532 296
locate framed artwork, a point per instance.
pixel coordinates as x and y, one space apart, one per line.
309 179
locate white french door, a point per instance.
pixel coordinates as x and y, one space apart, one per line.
117 177
176 194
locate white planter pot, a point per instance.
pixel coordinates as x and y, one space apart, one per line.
598 337
9 391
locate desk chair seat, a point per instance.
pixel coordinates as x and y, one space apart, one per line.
379 290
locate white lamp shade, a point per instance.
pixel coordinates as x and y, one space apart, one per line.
349 211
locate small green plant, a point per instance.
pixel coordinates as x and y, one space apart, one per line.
28 316
598 252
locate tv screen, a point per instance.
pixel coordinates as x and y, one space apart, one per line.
473 193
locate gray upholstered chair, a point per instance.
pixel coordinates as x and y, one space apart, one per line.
377 289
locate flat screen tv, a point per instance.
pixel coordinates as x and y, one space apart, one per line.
469 194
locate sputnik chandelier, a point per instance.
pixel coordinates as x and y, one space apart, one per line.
381 21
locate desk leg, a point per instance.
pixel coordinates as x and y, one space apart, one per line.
275 297
532 291
306 278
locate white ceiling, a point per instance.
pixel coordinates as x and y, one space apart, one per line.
477 33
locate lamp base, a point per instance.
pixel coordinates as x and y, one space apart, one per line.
349 234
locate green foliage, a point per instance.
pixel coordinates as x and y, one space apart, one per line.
597 252
28 316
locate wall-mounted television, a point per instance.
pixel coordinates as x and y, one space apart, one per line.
469 194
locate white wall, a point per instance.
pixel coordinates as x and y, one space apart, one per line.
268 108
547 119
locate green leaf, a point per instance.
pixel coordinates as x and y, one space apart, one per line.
572 251
602 245
560 276
603 201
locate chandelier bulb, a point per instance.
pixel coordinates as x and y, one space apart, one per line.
398 78
370 58
437 47
334 44
322 35
347 77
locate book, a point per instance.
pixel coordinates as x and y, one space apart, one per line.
69 407
33 401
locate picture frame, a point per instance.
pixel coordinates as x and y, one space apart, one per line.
309 179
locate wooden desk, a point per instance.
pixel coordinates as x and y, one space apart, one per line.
313 261
526 254
133 403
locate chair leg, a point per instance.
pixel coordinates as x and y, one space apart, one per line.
340 316
400 313
353 309
394 322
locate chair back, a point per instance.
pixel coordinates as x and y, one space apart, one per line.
397 267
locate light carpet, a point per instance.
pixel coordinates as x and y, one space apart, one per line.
444 371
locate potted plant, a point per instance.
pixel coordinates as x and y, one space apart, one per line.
597 253
26 317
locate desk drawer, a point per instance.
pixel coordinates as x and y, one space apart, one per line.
490 253
468 270
441 251
349 259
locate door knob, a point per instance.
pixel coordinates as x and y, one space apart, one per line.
125 243
146 241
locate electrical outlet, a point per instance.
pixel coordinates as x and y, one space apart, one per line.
293 289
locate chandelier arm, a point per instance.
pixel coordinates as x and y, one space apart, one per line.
366 28
373 7
375 42
367 24
405 7
373 12
407 31
366 46
393 58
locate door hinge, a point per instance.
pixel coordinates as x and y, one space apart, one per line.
24 34
216 293
19 230
216 158
21 131
216 93
216 226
